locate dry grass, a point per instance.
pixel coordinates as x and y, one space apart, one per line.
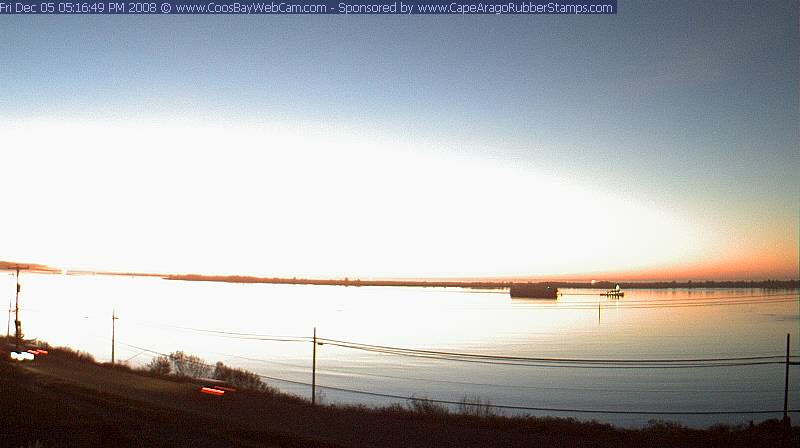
36 444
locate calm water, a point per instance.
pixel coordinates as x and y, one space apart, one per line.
165 316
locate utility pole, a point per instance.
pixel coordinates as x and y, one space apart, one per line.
17 322
8 324
113 333
314 371
786 384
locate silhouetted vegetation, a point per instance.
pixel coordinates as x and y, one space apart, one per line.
160 365
189 365
83 356
770 284
476 406
241 378
35 444
424 406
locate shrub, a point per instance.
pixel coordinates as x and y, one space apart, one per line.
35 445
189 365
83 356
476 406
41 344
120 365
425 406
665 426
240 378
395 408
160 365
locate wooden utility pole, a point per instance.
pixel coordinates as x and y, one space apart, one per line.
8 324
786 384
113 333
314 371
17 322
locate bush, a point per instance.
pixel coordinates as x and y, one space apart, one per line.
665 426
240 378
425 406
36 445
120 365
189 365
83 356
160 365
41 344
476 406
395 409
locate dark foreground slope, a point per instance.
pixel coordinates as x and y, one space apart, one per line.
60 400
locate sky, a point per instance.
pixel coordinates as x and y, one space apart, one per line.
658 143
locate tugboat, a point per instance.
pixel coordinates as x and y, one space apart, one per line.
615 293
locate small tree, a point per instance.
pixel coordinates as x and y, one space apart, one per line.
160 365
240 378
426 406
475 405
189 365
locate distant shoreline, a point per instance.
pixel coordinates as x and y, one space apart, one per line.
768 284
467 284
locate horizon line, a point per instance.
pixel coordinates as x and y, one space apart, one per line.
577 278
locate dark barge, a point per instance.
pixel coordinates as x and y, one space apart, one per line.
534 291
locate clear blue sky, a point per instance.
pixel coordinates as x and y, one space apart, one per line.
687 107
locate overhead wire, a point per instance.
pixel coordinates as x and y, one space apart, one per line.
510 386
560 362
503 406
553 409
613 363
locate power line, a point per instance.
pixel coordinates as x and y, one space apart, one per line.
561 362
549 362
580 366
233 334
142 349
498 406
267 361
512 386
721 361
531 408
